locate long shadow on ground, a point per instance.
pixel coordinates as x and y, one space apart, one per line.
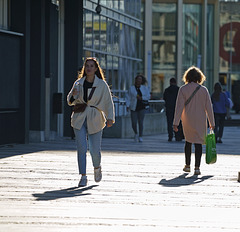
183 180
62 193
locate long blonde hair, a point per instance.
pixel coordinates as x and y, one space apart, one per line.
98 73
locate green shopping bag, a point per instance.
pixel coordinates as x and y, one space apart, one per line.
211 154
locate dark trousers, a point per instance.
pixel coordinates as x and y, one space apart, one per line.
170 117
188 152
219 124
178 135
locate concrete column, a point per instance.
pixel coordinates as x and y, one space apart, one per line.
179 41
148 42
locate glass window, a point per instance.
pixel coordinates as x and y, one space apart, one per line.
96 31
88 29
230 50
110 33
103 34
112 37
210 44
163 47
109 74
192 33
4 14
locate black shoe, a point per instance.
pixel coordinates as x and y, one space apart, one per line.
219 141
170 140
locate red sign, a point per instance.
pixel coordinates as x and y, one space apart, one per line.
236 42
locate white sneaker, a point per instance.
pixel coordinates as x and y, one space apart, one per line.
135 137
98 174
83 181
140 140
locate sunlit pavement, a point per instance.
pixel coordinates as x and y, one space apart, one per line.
143 188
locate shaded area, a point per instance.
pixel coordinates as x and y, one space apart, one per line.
151 144
183 180
62 193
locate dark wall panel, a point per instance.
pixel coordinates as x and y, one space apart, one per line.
73 52
10 67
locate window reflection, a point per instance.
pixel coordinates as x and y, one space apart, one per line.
210 44
103 34
192 30
114 43
163 46
96 31
88 29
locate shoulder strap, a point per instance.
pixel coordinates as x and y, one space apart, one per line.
190 98
91 93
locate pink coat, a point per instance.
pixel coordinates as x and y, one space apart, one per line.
194 116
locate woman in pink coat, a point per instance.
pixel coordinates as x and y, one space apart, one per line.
194 115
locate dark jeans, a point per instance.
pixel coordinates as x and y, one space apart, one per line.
188 152
137 117
219 124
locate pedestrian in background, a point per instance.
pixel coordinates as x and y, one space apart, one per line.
220 104
193 107
136 100
230 104
170 97
93 107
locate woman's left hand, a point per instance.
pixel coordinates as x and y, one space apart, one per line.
109 122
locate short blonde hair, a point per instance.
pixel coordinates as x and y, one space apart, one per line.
193 74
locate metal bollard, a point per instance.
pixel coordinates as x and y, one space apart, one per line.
238 176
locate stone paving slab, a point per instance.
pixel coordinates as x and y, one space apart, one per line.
143 188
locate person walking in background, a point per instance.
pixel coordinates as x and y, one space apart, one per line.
220 104
193 107
170 97
230 104
93 107
136 99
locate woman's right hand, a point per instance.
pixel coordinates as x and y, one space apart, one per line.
212 127
175 128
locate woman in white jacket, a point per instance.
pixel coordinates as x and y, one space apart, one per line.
134 101
93 107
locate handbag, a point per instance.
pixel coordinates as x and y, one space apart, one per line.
211 153
80 107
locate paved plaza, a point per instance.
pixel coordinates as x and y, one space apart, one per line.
143 188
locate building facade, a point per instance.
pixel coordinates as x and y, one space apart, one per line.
43 44
183 33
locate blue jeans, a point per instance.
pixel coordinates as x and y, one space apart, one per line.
138 117
94 140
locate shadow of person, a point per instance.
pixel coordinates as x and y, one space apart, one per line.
183 180
62 193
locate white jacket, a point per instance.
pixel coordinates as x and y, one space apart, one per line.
131 98
101 101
